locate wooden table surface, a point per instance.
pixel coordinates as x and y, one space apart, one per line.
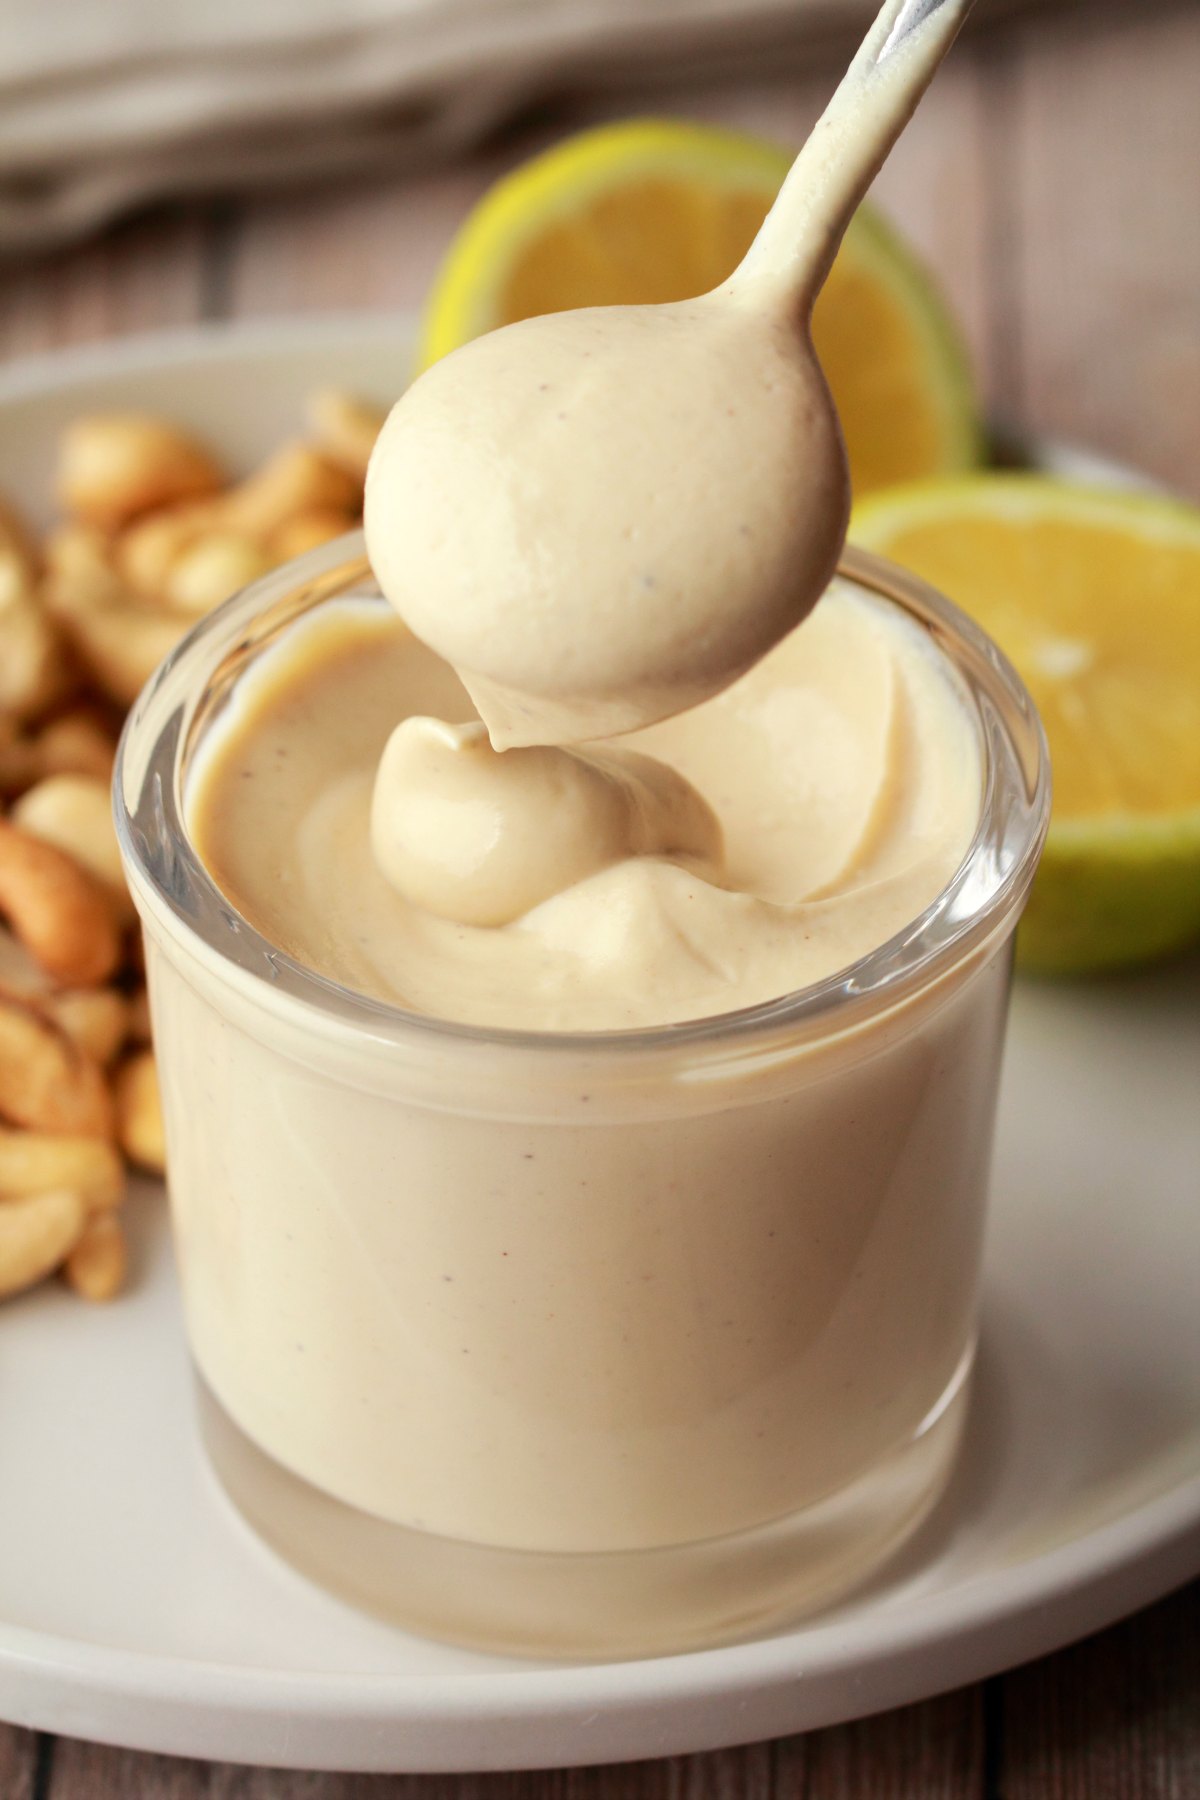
1052 178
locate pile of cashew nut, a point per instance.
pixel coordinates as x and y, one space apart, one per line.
154 535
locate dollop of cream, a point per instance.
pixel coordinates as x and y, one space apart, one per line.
604 517
482 838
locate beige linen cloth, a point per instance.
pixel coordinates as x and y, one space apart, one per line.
108 103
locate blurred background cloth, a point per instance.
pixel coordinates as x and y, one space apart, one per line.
107 104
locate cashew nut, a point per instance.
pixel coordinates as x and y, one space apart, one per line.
77 559
77 743
147 550
119 639
95 1019
35 1162
297 479
212 568
36 1233
122 648
307 530
46 1082
58 911
35 670
74 813
113 466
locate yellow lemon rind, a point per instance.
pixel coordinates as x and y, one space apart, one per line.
1023 497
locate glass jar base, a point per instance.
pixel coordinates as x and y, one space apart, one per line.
609 1604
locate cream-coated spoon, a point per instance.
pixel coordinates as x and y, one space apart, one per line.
603 517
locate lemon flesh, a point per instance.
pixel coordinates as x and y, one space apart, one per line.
661 210
1095 596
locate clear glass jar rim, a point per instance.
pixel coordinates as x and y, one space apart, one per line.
976 904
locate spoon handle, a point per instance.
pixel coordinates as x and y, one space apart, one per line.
795 246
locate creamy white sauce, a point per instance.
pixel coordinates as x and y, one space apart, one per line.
825 799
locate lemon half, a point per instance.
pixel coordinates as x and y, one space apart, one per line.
660 209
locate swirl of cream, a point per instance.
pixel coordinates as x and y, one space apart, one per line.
483 838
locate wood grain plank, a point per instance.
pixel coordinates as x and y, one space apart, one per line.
929 1752
83 1771
886 1759
1106 149
1114 1718
139 277
378 245
18 1763
375 247
93 1772
746 1773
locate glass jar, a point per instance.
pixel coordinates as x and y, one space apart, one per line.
610 1343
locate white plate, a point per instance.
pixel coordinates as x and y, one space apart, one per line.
136 1609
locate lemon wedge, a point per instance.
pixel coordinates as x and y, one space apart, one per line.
1095 596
